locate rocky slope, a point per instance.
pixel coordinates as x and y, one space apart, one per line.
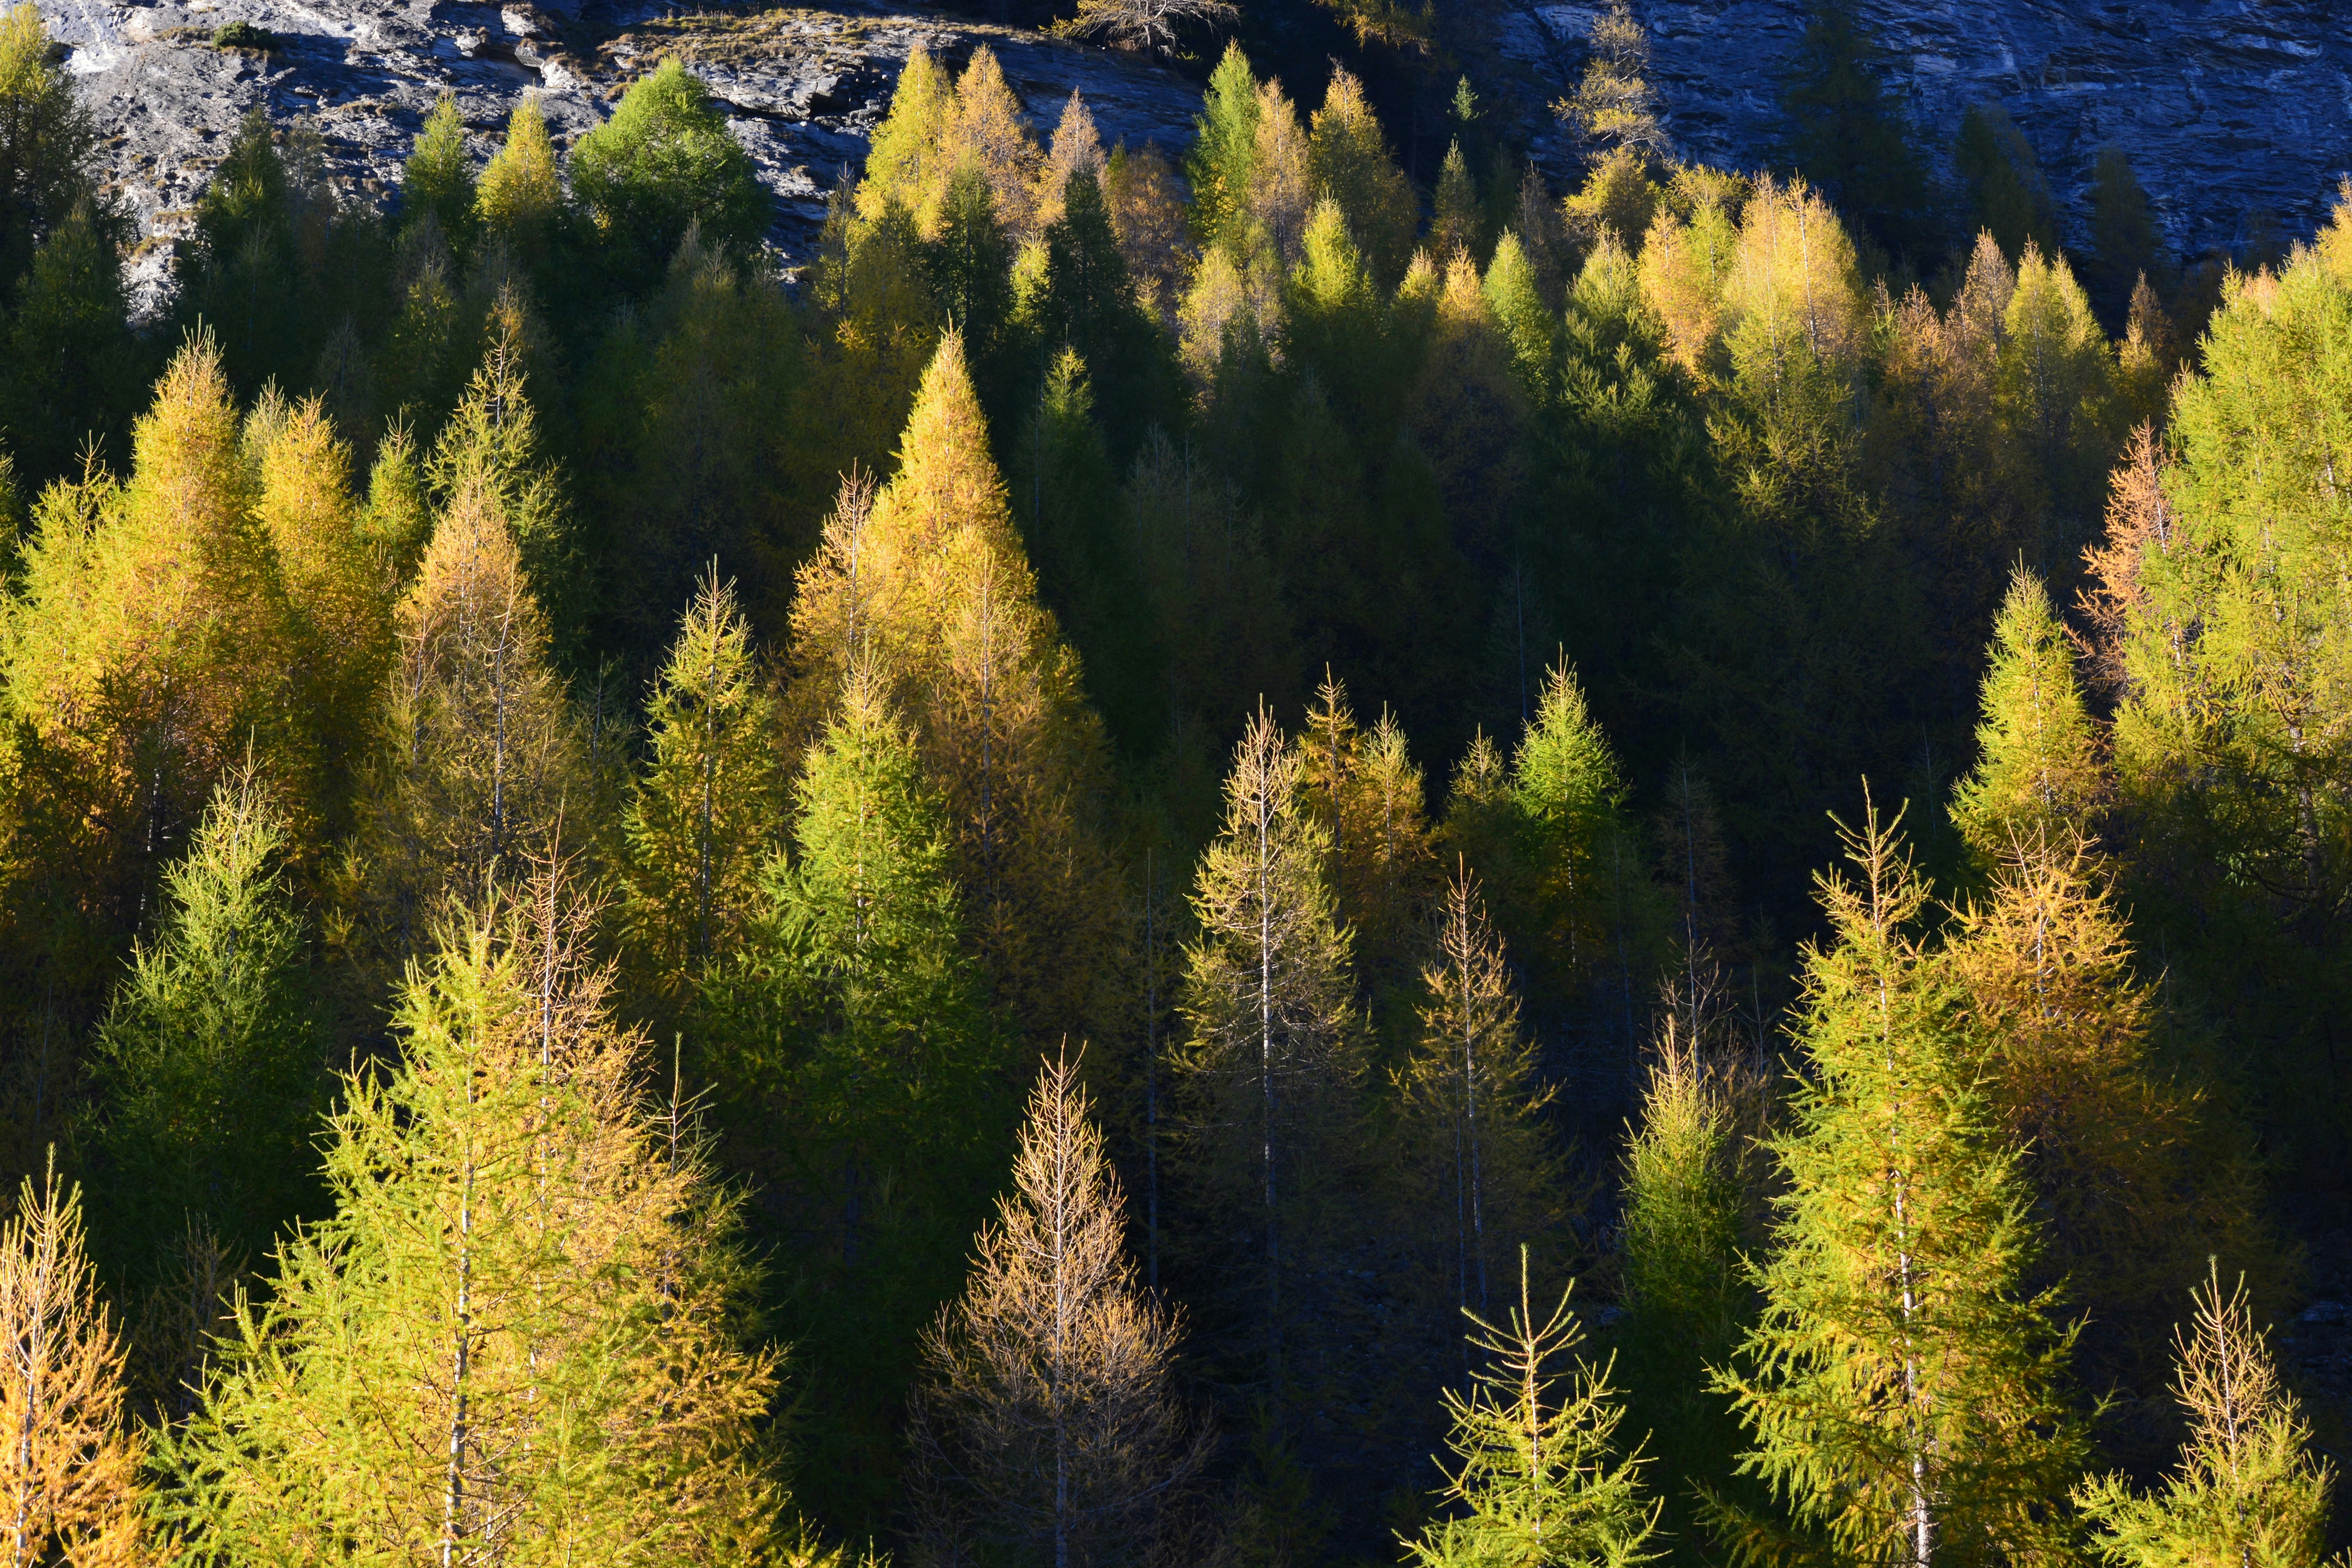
2227 107
802 88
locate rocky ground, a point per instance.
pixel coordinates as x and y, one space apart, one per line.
2227 107
803 87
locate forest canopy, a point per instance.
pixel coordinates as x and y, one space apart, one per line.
1269 853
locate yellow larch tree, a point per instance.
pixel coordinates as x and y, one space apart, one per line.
930 581
477 753
140 656
1348 160
1046 1415
69 1486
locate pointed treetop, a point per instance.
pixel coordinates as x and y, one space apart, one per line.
2037 780
945 464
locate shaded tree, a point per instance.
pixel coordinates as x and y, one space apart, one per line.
1045 1422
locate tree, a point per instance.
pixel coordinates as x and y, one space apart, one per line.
1472 1108
476 753
1076 145
2247 1491
987 130
1568 871
1614 110
69 1474
339 592
1045 1423
74 365
1090 305
704 818
492 444
520 199
46 142
1150 26
2230 735
1540 1477
1362 789
862 1078
1946 461
902 161
1998 170
2136 1171
1844 136
1147 215
2037 780
1269 1069
439 177
1469 412
1456 221
968 260
682 436
929 582
666 161
208 1066
1686 1299
69 1477
2054 391
516 1332
1280 195
1901 1391
2124 237
141 655
1225 141
1348 162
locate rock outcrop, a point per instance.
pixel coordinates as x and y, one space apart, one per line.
802 88
2227 107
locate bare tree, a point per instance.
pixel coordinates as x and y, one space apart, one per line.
1146 25
1045 1426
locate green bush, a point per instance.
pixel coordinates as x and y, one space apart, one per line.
665 160
244 36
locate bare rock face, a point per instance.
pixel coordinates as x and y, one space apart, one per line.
802 88
2227 107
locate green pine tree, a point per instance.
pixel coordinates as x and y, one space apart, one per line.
439 176
1685 1301
1454 220
1845 137
1268 1072
1580 887
1901 1392
666 162
861 1081
708 809
208 1066
2007 194
1541 1479
74 365
1476 1155
1225 146
2125 244
969 261
2037 781
48 139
